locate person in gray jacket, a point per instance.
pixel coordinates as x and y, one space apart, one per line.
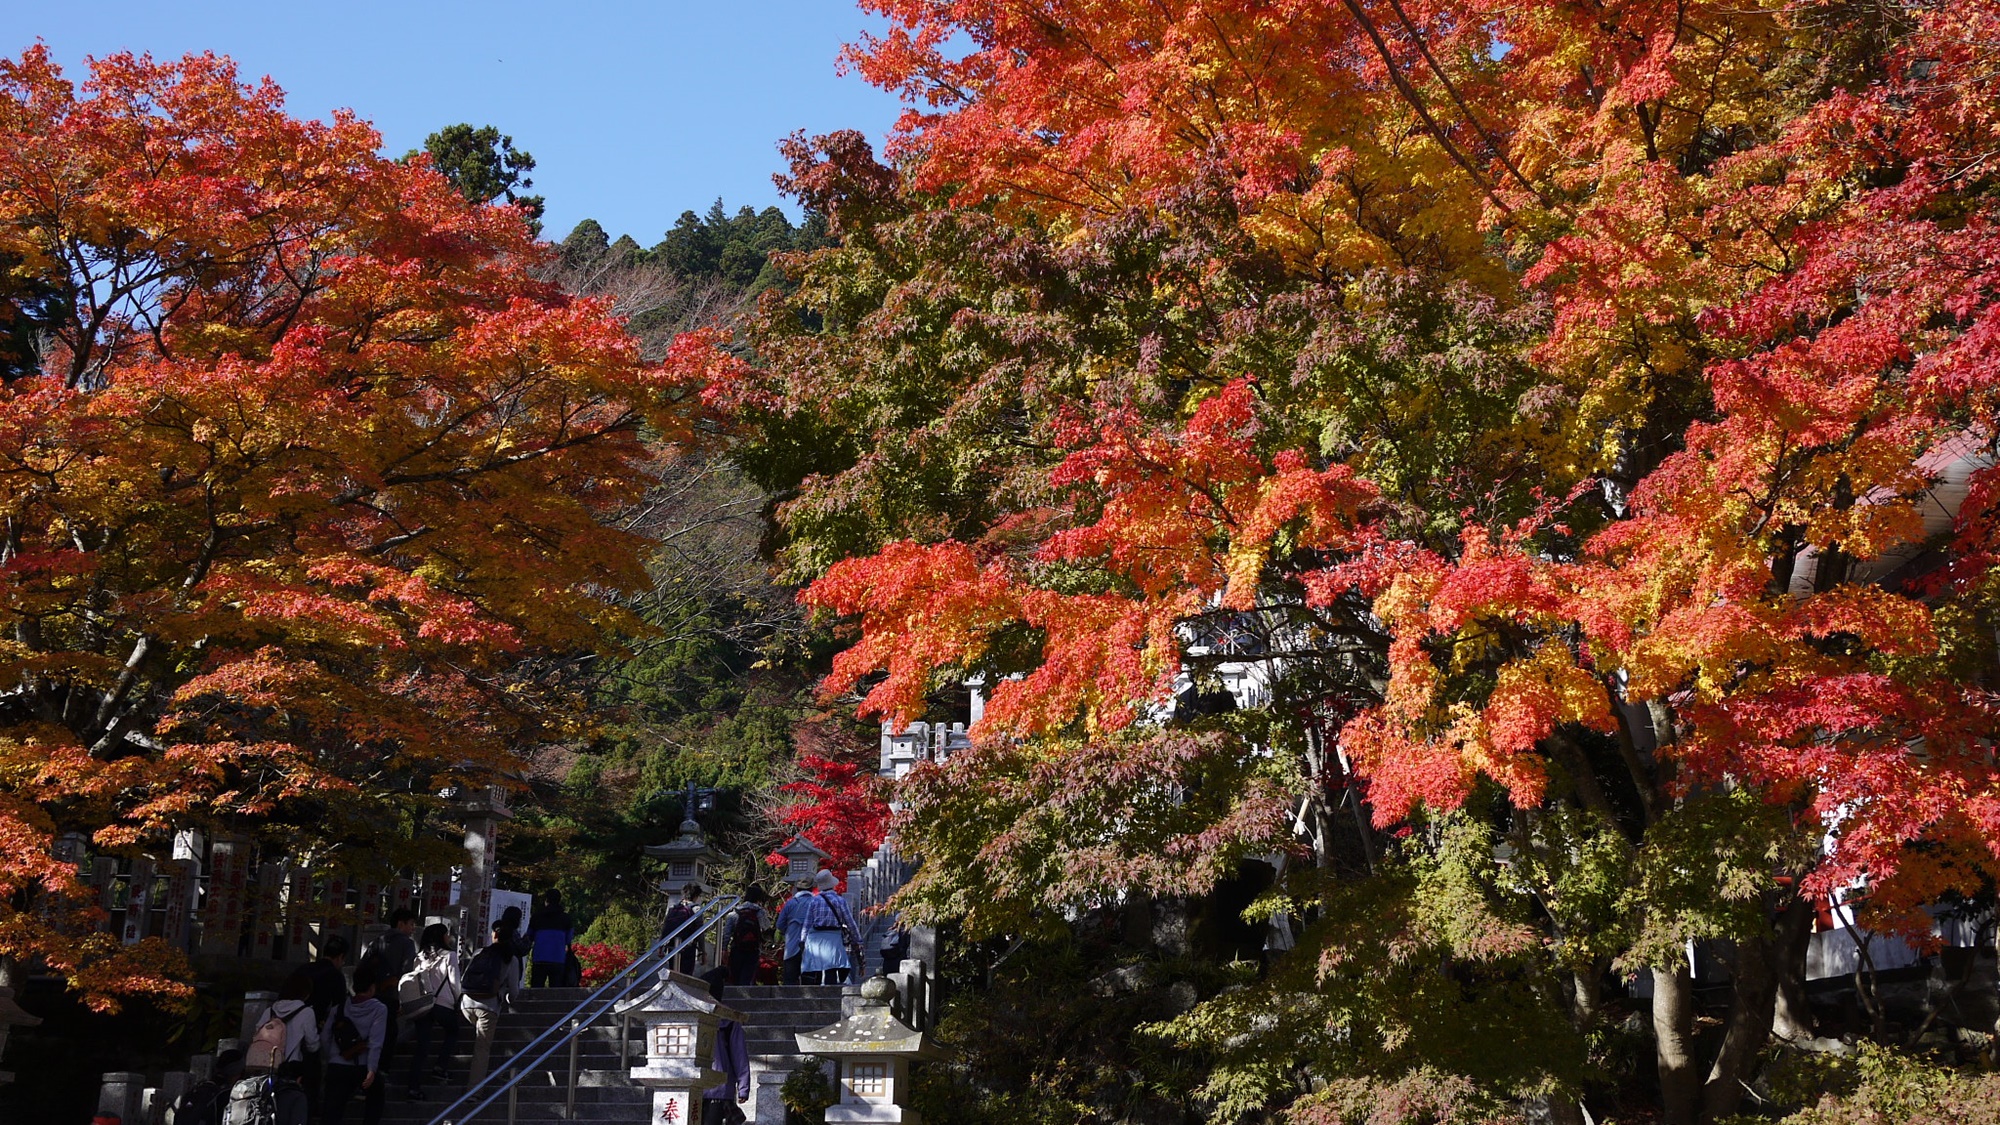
353 1039
485 991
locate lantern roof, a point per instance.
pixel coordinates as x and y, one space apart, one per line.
678 994
802 847
690 844
872 1030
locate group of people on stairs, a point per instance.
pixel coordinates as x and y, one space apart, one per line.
328 1040
822 941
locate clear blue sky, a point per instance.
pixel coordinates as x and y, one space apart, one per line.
635 111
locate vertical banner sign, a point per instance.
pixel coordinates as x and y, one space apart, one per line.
298 915
335 910
138 900
183 879
437 894
104 880
371 903
270 920
401 896
222 910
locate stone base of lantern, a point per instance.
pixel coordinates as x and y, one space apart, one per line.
875 1112
676 1107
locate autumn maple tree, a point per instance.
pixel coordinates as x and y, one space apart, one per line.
300 460
1583 411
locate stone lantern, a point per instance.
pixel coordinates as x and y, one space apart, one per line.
873 1050
802 859
687 857
680 1019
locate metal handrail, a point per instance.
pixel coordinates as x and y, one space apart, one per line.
690 931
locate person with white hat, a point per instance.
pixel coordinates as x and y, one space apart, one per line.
830 934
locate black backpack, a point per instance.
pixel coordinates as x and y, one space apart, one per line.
202 1105
482 976
348 1041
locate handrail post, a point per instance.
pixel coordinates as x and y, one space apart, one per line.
575 1038
513 1093
624 1040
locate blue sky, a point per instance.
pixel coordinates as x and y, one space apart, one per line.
634 111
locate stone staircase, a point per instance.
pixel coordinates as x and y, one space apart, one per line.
772 1016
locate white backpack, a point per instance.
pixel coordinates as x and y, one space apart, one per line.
426 986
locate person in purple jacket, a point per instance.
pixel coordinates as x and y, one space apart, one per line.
723 1105
353 1037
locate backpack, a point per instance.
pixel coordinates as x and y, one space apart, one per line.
203 1105
417 993
482 977
372 956
820 915
348 1042
271 1045
747 932
252 1101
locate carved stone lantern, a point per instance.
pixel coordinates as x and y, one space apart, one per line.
873 1051
688 855
802 859
680 1019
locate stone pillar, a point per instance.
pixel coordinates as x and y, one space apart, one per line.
104 881
222 907
767 1102
268 921
483 814
333 912
120 1096
138 901
183 887
917 1002
255 1006
298 915
201 1068
173 1085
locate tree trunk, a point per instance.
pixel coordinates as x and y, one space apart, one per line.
1792 1015
1673 1044
1748 1030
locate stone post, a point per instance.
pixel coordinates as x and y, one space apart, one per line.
201 1068
483 814
174 1084
268 921
138 901
120 1096
255 1006
104 880
917 1002
222 909
183 886
298 915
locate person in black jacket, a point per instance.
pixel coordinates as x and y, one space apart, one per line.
329 991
